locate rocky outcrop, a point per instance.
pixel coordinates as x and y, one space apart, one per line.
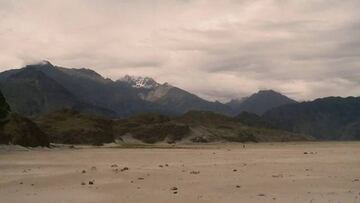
22 131
17 130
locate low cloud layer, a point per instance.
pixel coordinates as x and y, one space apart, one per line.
216 49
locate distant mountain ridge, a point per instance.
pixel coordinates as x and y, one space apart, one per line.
42 88
31 92
330 118
259 102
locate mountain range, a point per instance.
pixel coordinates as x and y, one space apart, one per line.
43 88
71 127
39 90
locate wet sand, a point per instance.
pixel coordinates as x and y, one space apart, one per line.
275 172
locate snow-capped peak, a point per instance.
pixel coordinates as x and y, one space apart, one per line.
140 82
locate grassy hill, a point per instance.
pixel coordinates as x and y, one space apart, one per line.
71 127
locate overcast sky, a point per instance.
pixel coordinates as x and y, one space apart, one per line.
218 49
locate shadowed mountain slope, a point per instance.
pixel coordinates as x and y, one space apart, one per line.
41 88
260 102
331 118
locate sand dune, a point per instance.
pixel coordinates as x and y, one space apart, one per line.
272 172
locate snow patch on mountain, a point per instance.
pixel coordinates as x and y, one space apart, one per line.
140 82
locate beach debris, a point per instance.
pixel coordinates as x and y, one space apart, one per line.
124 169
114 166
26 170
83 183
161 166
261 195
140 178
21 183
167 165
278 176
356 180
195 172
238 186
93 168
174 189
83 171
234 170
91 182
310 152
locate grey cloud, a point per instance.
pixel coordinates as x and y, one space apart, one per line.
217 49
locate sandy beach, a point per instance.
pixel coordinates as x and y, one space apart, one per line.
271 172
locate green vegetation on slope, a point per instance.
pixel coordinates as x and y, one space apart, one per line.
22 131
253 120
71 127
210 127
